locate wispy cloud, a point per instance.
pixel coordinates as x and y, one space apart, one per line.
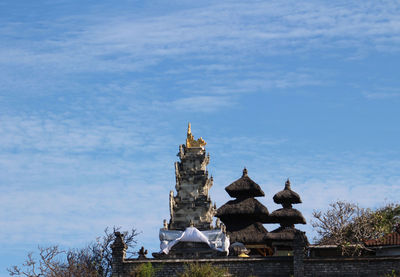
382 94
94 103
84 178
214 33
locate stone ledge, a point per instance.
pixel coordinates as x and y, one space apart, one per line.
261 259
351 259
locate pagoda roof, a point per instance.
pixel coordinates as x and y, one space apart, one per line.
244 187
286 216
251 234
287 195
242 207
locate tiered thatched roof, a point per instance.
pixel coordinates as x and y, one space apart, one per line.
244 187
287 216
248 207
243 216
254 233
287 196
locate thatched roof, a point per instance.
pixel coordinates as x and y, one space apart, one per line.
282 234
244 187
286 217
286 234
247 207
251 234
286 197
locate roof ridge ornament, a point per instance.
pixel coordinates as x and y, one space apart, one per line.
244 172
190 140
287 184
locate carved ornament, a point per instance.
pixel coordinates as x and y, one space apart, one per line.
191 142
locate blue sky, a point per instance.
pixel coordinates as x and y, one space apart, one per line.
95 97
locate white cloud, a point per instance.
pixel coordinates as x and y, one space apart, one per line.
128 43
202 103
60 185
388 94
105 157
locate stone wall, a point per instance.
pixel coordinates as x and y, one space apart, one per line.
240 267
356 266
275 266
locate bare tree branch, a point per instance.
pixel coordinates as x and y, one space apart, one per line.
348 226
94 260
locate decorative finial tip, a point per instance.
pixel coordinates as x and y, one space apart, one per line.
190 140
287 184
244 171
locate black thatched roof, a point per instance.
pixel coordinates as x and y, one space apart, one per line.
286 197
286 217
242 208
244 187
285 234
251 234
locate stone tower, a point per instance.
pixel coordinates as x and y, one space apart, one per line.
191 206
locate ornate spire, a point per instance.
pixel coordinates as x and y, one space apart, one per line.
190 140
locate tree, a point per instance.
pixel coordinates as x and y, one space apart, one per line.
346 224
93 260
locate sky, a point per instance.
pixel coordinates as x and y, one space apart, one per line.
95 98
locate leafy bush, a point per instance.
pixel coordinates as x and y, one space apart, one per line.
203 270
145 270
392 274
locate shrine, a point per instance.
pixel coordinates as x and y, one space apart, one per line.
238 240
190 231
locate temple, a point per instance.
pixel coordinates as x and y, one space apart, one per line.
241 243
282 237
244 218
190 231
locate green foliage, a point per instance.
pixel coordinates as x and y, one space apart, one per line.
348 225
145 270
387 218
203 270
392 274
346 222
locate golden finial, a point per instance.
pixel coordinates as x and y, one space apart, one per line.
191 142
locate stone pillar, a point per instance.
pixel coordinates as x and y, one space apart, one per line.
118 254
299 247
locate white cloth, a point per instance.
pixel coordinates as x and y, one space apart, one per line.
216 239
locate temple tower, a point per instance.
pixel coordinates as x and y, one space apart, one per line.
283 239
191 206
244 215
287 216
